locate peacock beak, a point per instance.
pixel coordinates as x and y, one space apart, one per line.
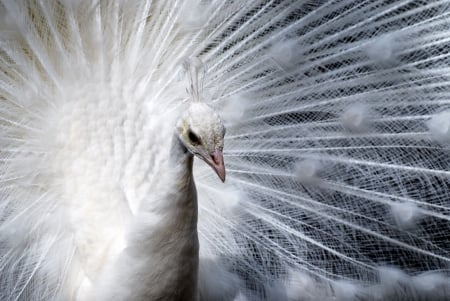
217 164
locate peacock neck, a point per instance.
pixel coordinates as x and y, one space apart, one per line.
180 157
173 237
160 261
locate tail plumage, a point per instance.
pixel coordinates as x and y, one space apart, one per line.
336 149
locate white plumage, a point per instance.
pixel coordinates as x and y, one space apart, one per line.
336 150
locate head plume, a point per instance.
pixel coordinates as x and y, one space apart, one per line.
195 70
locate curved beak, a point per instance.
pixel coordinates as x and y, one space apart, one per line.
216 162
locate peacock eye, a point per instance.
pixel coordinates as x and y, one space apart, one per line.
195 140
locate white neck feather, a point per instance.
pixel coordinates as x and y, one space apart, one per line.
160 261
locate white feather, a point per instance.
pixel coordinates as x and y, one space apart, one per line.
439 126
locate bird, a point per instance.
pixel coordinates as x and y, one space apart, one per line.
159 254
119 117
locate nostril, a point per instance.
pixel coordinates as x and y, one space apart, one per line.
216 157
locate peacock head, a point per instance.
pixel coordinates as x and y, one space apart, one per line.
202 132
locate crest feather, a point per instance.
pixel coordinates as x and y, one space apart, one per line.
195 70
